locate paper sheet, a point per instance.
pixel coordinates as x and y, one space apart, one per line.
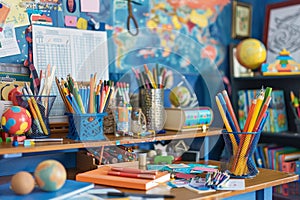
90 6
76 52
8 41
17 15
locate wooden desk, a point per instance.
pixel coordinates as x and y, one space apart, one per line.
259 187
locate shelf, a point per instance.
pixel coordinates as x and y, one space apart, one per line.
285 139
255 78
7 148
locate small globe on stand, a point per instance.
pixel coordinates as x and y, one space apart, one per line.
251 53
50 175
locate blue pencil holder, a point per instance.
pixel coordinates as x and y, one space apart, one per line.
86 127
241 165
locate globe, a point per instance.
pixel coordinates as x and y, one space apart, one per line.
180 96
50 175
16 120
251 53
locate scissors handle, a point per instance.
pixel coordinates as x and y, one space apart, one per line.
131 18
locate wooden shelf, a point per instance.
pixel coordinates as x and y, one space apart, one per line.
285 138
7 148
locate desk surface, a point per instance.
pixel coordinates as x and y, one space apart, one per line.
265 179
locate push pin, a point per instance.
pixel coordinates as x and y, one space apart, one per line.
96 24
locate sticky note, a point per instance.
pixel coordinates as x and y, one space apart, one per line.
82 23
4 10
90 6
71 21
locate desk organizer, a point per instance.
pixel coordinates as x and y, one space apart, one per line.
85 127
240 163
39 108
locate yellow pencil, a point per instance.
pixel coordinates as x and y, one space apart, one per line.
227 125
37 110
242 160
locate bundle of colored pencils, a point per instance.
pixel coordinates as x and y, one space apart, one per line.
90 98
151 80
243 142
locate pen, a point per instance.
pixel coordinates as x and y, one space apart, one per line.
126 194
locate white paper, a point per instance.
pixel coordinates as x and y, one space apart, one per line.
73 51
8 41
234 184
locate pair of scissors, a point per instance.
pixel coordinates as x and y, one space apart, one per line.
131 18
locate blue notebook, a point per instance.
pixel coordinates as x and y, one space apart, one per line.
69 189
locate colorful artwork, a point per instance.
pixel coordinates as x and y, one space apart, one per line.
283 65
174 33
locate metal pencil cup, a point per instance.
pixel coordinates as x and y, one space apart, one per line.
152 104
240 163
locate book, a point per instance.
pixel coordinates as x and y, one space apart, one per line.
101 176
181 119
70 188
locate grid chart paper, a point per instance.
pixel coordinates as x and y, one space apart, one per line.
76 52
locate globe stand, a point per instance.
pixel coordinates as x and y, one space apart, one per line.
247 73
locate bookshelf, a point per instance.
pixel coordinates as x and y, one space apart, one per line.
285 83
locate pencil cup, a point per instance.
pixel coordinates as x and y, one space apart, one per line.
86 127
240 163
152 104
39 108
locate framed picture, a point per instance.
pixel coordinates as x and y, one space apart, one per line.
282 29
236 69
241 20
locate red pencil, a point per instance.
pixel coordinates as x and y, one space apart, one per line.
131 175
134 171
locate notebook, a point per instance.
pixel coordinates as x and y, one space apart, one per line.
100 176
69 189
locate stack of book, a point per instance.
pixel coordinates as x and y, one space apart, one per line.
124 177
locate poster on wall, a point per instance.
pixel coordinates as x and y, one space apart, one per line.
282 29
170 33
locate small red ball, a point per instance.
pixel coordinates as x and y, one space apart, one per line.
16 120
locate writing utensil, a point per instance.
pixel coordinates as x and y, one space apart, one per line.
34 115
157 75
78 98
63 96
228 128
163 78
262 113
250 113
131 175
297 107
136 74
126 194
45 140
240 166
37 110
134 170
142 79
150 76
230 109
92 95
230 120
